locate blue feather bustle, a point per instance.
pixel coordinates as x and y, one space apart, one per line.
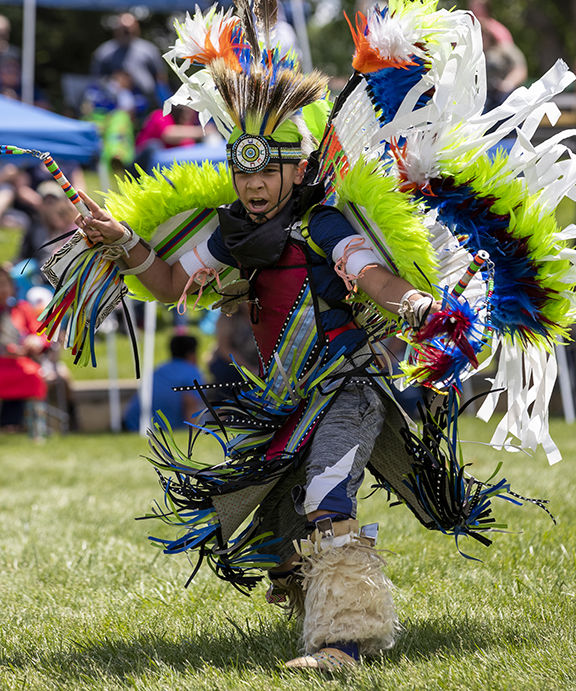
388 88
517 295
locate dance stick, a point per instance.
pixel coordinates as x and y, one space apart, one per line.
478 261
54 170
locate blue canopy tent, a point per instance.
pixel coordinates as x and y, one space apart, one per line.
30 127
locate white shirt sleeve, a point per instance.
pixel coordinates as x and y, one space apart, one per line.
359 258
193 261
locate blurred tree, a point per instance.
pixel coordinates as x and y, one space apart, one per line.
331 45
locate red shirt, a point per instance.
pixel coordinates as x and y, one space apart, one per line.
20 376
153 128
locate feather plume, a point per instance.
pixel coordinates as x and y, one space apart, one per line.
266 12
203 38
248 21
259 105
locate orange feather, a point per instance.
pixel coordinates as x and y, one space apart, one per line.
366 58
226 51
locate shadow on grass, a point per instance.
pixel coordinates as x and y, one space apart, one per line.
254 645
456 637
257 648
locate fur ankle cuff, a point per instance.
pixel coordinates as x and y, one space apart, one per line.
347 598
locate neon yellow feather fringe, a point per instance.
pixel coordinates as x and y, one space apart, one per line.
396 219
150 200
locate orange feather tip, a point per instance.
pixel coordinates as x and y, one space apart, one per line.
226 50
366 58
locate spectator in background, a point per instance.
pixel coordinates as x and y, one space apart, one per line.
111 103
19 197
7 191
21 379
7 50
141 59
234 341
506 68
19 189
180 370
10 77
180 127
54 218
18 201
482 10
113 92
60 404
11 82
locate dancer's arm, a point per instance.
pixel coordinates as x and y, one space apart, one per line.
388 289
166 282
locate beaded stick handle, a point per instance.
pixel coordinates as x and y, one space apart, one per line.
54 170
478 261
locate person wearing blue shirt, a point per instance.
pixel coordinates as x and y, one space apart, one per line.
177 406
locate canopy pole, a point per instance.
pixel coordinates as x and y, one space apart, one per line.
146 383
114 404
565 384
28 50
299 18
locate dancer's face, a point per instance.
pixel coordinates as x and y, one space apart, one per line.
265 193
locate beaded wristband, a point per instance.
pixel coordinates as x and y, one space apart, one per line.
415 312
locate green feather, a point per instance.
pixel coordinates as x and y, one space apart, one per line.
150 200
395 217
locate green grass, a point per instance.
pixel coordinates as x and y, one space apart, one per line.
124 353
88 603
10 239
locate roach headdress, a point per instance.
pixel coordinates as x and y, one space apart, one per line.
254 91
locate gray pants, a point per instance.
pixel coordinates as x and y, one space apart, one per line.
333 468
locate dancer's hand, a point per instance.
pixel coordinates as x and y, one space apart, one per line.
99 226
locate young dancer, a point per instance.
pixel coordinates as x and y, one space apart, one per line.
298 302
425 212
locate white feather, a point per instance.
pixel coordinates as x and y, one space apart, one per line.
198 92
394 37
194 32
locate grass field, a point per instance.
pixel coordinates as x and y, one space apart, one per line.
88 603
